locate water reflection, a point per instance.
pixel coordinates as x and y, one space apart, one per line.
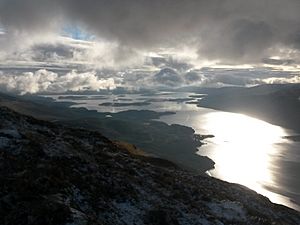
244 150
245 145
247 151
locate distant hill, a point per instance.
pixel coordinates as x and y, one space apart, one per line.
278 104
55 175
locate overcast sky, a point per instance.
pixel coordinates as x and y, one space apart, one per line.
119 38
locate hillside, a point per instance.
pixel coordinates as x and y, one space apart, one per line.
277 104
139 127
51 174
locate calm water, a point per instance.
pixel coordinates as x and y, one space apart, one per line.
246 150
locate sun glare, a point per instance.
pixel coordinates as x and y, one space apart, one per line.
244 147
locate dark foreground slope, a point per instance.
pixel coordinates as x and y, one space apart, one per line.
50 174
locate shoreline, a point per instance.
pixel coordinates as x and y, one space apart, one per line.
98 113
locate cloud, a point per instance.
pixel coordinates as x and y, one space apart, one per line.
233 31
216 77
180 33
282 80
243 40
69 53
50 82
205 77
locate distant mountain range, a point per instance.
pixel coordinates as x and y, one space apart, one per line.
278 104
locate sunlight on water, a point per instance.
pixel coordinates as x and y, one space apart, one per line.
246 150
243 150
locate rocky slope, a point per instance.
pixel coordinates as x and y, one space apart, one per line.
50 174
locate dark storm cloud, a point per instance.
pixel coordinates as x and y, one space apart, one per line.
28 15
242 38
230 30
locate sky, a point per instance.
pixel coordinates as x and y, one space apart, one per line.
62 45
